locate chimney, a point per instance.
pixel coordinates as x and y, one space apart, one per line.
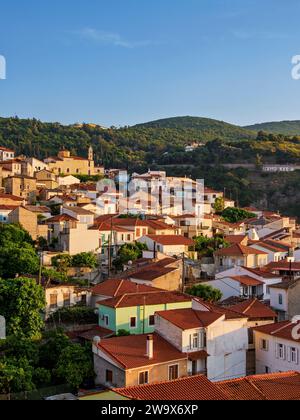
150 346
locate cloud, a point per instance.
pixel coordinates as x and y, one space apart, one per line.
110 38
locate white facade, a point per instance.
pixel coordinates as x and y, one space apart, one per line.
6 154
275 354
242 271
231 287
225 341
68 180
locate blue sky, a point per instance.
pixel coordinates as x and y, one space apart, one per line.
122 62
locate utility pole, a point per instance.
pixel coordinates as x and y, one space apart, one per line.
110 247
183 272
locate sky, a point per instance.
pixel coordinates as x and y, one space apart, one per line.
121 62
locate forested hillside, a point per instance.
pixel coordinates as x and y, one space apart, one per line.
288 128
162 144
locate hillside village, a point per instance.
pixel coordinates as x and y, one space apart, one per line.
173 289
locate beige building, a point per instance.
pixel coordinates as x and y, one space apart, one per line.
21 186
240 255
65 296
137 360
29 221
66 164
47 179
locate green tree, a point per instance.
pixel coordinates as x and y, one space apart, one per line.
75 365
219 205
18 261
21 303
207 246
85 259
129 252
234 215
54 342
62 262
15 376
205 292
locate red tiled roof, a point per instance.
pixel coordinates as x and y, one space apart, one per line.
195 388
171 240
61 218
259 272
8 207
282 330
239 250
11 197
235 239
283 265
159 297
271 387
130 352
113 288
158 225
4 149
246 280
187 319
154 270
253 308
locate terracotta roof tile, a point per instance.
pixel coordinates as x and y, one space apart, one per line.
246 280
113 288
171 240
239 250
253 308
271 387
281 330
187 319
195 388
129 300
130 352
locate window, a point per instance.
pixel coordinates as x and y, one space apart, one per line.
83 300
151 321
144 378
173 372
264 345
280 299
133 322
106 320
195 341
67 299
280 351
109 376
267 370
128 237
138 233
53 301
294 355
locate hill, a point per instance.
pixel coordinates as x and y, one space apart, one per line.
287 128
208 128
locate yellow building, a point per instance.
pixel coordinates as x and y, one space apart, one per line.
66 164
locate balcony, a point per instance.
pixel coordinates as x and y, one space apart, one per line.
197 372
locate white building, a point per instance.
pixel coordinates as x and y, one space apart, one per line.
6 154
277 347
266 278
216 346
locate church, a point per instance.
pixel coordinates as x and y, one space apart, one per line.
65 164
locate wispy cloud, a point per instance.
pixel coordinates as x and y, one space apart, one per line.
110 38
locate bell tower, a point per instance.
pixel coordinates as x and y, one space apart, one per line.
91 154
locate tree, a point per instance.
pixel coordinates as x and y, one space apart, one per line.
234 215
18 261
15 376
129 252
54 342
21 303
219 205
207 246
62 262
75 365
17 253
85 259
206 292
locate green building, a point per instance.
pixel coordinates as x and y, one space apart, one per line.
135 312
